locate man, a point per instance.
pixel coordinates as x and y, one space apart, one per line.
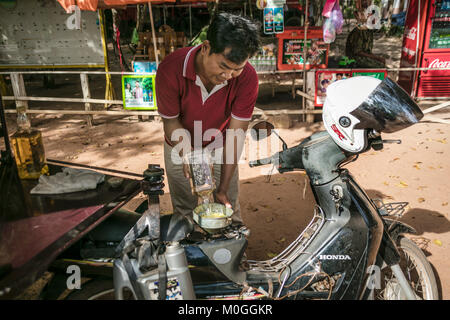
359 43
204 94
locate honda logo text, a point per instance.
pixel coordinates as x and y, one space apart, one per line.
334 257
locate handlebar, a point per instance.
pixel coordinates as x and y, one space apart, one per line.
397 141
321 152
260 162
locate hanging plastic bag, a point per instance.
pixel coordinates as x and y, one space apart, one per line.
329 31
336 18
328 7
333 22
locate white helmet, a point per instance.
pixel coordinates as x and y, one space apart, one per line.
357 104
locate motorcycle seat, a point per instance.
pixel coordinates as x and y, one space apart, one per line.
173 227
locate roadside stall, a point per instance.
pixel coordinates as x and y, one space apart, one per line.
286 56
152 41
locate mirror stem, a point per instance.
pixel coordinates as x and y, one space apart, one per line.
284 143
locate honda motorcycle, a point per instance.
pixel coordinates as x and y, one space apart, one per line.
353 248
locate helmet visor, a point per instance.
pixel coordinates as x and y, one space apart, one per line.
387 109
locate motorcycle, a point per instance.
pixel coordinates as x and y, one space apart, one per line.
353 248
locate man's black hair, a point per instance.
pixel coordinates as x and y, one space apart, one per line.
231 31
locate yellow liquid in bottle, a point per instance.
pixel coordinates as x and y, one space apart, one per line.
29 153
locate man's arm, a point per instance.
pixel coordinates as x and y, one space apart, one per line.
179 138
234 144
170 125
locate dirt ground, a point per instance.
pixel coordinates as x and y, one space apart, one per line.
276 211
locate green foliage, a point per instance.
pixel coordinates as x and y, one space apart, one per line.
200 37
347 12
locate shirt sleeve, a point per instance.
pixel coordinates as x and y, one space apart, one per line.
167 93
247 93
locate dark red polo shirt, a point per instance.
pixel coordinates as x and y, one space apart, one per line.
180 93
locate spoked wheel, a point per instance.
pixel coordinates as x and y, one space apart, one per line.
418 273
97 289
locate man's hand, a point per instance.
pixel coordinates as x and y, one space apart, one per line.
221 197
186 170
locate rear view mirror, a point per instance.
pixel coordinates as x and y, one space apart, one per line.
261 130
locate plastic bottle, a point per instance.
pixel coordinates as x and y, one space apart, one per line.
178 267
28 149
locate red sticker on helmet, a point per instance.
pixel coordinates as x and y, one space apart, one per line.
339 134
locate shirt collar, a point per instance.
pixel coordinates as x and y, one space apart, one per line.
189 63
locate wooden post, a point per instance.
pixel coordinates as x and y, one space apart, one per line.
190 21
153 34
293 87
5 91
19 91
86 95
109 89
305 53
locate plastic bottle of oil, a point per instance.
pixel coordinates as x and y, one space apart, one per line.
28 149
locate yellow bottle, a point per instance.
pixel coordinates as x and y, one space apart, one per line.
28 149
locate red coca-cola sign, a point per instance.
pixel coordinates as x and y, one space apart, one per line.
437 63
411 33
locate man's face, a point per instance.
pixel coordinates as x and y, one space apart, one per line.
217 68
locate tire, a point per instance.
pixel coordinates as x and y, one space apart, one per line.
417 271
96 289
